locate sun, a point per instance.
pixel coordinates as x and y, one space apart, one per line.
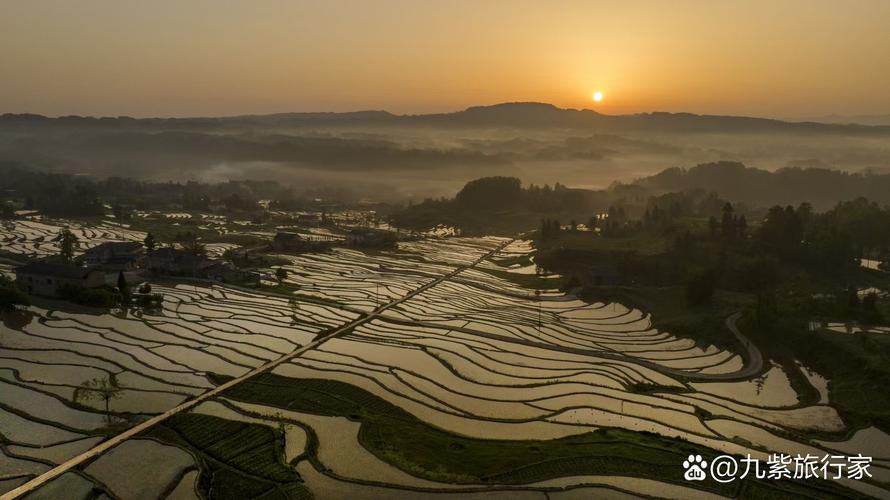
597 96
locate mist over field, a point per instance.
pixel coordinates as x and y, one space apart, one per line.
386 157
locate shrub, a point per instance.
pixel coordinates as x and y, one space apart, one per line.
98 297
148 300
11 297
103 297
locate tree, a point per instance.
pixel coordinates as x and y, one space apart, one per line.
192 199
742 226
103 389
122 286
793 228
281 274
805 213
684 244
150 242
756 273
102 297
700 288
727 224
870 313
766 311
853 303
713 226
6 211
235 202
550 229
782 230
490 193
193 245
10 296
67 244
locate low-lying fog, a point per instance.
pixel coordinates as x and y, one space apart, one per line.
386 162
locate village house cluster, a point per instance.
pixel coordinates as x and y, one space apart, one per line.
104 264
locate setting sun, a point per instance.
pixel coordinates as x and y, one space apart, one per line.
597 96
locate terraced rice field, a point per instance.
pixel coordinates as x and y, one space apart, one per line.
475 362
37 237
362 282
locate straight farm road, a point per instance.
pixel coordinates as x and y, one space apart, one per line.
135 430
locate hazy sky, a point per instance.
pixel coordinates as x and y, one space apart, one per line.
220 57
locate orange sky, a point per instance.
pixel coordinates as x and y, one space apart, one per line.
220 57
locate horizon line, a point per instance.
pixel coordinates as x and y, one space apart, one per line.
453 111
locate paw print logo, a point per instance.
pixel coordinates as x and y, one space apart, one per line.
695 468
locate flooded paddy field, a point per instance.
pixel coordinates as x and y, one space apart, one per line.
157 359
38 237
417 400
364 281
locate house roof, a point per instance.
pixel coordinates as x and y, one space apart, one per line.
164 252
54 270
116 247
182 258
115 253
282 235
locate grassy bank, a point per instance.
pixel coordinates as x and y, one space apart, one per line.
237 460
426 451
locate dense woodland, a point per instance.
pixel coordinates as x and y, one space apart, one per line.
820 187
502 204
67 195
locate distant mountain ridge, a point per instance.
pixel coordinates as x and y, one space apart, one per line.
870 120
511 115
432 154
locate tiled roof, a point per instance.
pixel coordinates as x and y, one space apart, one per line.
116 247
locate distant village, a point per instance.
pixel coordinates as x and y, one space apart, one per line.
103 242
111 272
